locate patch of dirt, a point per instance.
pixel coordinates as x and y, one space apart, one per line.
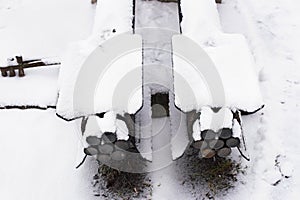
113 184
208 178
202 178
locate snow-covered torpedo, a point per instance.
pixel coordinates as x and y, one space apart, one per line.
147 85
100 81
214 80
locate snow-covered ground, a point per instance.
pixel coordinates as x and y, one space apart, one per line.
38 157
39 29
39 152
272 29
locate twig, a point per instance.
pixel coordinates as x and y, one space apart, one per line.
83 160
248 159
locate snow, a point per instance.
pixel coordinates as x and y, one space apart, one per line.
42 28
272 177
200 19
271 29
103 66
96 126
157 22
143 128
164 176
179 134
122 131
223 72
197 130
37 88
45 150
39 155
236 129
287 169
40 163
29 28
215 121
113 17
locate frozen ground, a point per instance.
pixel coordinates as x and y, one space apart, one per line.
39 151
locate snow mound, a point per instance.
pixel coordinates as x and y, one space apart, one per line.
212 68
96 126
215 121
95 73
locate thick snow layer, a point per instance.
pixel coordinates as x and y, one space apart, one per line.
42 28
37 88
113 17
92 127
96 126
121 130
114 85
224 74
200 18
38 29
210 120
